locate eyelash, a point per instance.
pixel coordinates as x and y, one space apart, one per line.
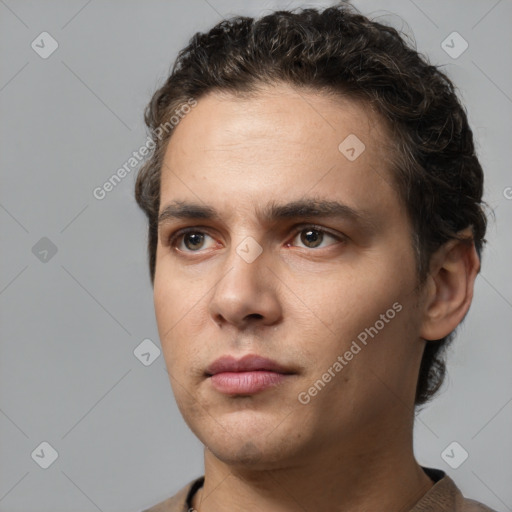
173 238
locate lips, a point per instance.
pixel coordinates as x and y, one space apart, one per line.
247 363
248 375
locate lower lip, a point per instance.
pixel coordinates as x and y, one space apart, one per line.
246 382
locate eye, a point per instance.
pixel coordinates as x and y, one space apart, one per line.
192 239
312 236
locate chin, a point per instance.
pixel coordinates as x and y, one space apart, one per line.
250 456
246 454
251 445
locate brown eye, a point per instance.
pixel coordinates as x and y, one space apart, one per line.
312 237
195 240
188 240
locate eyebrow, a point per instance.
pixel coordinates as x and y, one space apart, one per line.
271 212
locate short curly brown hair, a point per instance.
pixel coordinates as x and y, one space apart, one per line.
338 50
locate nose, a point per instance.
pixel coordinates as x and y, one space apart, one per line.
246 293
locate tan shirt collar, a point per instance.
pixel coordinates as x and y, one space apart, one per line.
444 496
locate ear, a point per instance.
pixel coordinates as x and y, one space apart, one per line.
449 286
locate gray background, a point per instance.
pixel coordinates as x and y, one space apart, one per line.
69 325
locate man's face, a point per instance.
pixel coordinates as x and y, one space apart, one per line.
303 296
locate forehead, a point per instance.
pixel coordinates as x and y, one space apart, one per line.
313 120
279 141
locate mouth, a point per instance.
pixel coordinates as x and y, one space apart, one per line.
246 376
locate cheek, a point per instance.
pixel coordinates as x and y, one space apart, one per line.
170 312
180 313
174 296
370 307
345 303
164 298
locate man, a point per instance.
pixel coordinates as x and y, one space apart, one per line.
315 227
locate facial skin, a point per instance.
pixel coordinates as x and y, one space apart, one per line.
301 303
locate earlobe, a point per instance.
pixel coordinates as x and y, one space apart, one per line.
449 287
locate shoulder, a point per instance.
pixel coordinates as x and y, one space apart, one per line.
445 495
180 501
468 505
475 506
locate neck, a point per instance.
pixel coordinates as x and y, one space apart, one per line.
357 477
